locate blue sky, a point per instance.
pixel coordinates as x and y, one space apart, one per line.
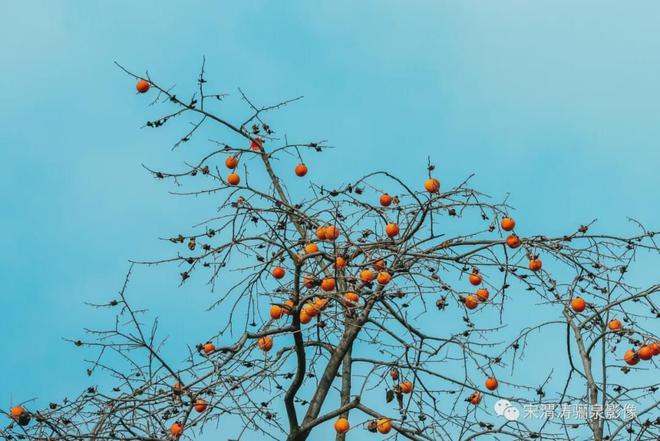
555 102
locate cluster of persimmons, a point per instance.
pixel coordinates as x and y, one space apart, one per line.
378 273
375 272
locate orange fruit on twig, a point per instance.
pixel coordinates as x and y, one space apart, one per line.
342 425
384 277
475 278
351 298
265 343
176 429
471 301
367 275
432 185
320 233
406 387
233 179
535 264
278 272
311 309
311 248
331 232
392 230
491 383
615 325
208 348
631 357
142 86
645 352
578 304
384 425
200 405
328 284
513 241
508 224
301 170
482 294
276 312
305 318
475 398
17 412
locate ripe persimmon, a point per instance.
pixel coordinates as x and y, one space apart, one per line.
311 309
475 398
276 312
233 179
265 343
471 301
406 387
142 86
208 348
351 298
578 304
342 425
288 306
340 262
385 200
200 405
383 278
384 425
392 230
320 303
508 224
394 373
231 162
301 170
176 429
615 325
513 241
475 278
380 265
278 272
305 318
311 248
482 294
655 346
535 264
432 185
645 352
17 411
331 232
491 383
631 357
366 275
328 284
320 233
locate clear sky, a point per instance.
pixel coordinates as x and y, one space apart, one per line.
556 102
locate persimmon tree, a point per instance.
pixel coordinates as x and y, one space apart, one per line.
366 305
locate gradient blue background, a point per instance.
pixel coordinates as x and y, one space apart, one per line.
556 102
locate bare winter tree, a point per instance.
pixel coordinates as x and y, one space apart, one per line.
368 301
